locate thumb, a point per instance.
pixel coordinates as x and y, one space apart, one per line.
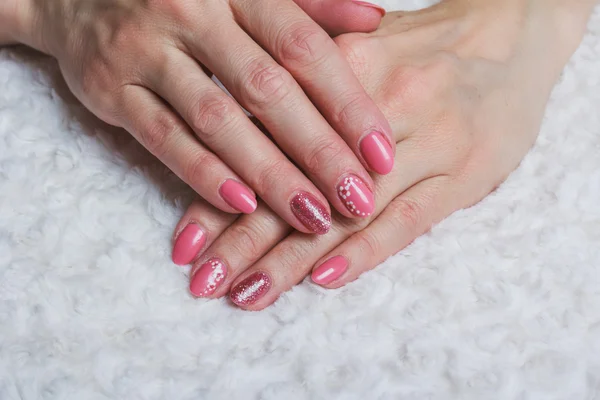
343 16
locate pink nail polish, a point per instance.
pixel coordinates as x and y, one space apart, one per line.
371 5
330 270
311 213
377 153
208 278
188 244
238 196
356 196
251 289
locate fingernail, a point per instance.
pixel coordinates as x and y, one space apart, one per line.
356 196
330 270
251 289
371 5
188 244
238 196
208 278
377 153
311 213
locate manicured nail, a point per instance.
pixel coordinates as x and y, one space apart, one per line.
356 196
188 244
371 5
377 153
208 278
311 213
330 270
251 289
238 196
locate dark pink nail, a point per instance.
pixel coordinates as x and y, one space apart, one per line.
251 289
356 196
238 196
208 278
377 153
330 270
313 215
371 5
188 244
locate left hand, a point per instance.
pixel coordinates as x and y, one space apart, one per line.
464 85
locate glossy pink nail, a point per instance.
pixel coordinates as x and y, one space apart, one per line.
208 278
188 244
377 153
313 215
238 196
371 5
251 289
330 270
356 196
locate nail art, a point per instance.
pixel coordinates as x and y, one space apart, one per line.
371 5
377 153
330 270
356 196
208 278
238 196
311 213
251 289
188 244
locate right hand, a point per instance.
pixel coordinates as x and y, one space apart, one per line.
144 65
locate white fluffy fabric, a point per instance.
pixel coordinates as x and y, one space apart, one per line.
500 301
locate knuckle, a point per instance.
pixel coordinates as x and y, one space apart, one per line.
267 83
270 175
352 106
197 168
155 135
355 224
368 245
324 151
409 213
303 44
213 112
247 241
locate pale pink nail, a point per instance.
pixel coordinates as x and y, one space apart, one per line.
377 153
238 196
330 270
251 289
371 5
188 244
208 278
356 196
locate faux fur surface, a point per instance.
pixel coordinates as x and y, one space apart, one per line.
500 301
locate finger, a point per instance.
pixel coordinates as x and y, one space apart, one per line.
222 126
343 16
319 66
270 93
242 244
197 229
407 217
292 259
166 136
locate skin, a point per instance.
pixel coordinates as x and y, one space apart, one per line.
145 66
464 85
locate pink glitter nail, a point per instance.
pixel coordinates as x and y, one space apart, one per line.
311 213
251 289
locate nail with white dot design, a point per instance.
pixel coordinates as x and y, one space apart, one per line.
356 196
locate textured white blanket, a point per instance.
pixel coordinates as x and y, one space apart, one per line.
500 301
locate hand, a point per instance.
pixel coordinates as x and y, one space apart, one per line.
464 85
143 65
